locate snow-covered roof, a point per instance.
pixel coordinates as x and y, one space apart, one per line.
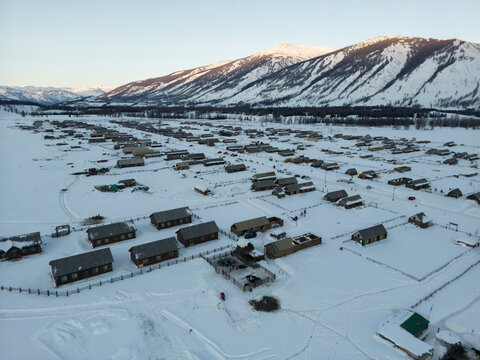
403 339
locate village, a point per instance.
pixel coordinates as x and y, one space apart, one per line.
302 213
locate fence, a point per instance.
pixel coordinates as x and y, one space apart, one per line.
132 274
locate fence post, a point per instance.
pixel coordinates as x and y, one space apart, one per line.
78 290
38 291
56 293
48 292
89 286
121 277
29 290
111 280
20 290
67 293
100 284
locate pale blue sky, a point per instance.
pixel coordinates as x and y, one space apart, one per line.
112 42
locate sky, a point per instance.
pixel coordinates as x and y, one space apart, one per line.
112 42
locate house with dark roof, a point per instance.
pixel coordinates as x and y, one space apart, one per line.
197 234
420 220
261 224
136 161
370 235
107 234
399 181
418 184
351 172
264 176
213 162
154 252
235 168
474 197
367 175
334 196
263 185
455 193
15 247
81 266
169 218
330 166
286 181
299 188
350 202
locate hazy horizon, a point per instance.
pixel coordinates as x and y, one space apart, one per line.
110 43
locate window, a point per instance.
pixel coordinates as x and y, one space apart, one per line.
122 237
212 236
130 235
74 276
64 278
105 267
24 251
99 242
171 254
107 240
95 270
181 221
159 257
168 223
162 225
145 261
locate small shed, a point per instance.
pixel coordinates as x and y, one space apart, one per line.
420 220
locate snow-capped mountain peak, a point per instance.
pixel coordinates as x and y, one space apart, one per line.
301 52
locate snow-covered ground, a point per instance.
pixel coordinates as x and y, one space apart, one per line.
332 301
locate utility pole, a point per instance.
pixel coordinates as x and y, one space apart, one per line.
393 196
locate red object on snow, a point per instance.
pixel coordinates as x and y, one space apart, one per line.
411 198
222 295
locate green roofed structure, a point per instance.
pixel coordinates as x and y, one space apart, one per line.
415 324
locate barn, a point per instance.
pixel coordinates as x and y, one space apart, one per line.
169 218
370 235
106 234
197 234
154 252
81 266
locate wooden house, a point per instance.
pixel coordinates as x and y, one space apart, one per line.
455 193
351 172
399 181
202 190
334 196
263 185
261 224
418 184
15 247
213 162
81 266
264 176
402 169
330 166
235 168
288 245
299 188
154 252
474 197
107 234
367 175
350 202
370 235
132 162
169 218
197 234
420 220
286 181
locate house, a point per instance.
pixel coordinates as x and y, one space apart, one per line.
317 163
235 168
261 224
330 166
418 184
399 181
420 220
183 165
403 331
286 181
264 176
278 192
154 252
451 161
351 172
299 188
212 162
288 245
247 253
15 247
475 197
123 163
81 266
370 235
263 185
402 169
197 234
128 182
107 234
455 193
334 196
202 190
169 218
350 201
367 175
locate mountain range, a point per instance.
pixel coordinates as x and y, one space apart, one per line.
396 71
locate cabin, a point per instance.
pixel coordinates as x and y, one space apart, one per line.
235 168
367 175
351 172
402 169
81 266
154 252
197 234
451 161
261 224
286 181
264 176
132 162
183 165
334 196
418 184
202 190
278 192
15 247
213 162
474 197
299 188
317 163
169 218
288 245
370 235
111 233
399 181
455 193
330 166
420 220
263 185
350 202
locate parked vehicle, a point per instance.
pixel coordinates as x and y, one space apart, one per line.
250 235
